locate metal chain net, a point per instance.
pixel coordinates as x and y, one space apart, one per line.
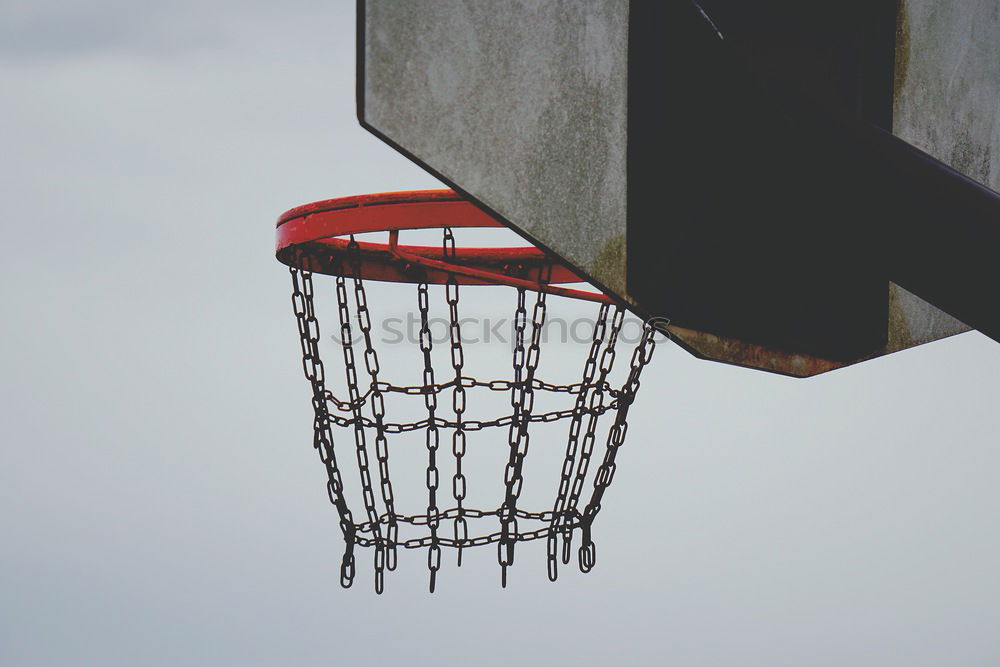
362 416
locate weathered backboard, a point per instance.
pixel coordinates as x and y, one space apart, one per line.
792 185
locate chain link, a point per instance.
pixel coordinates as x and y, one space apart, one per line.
363 411
471 424
360 444
378 413
595 404
512 471
572 445
522 401
432 436
458 437
574 521
468 383
641 356
305 316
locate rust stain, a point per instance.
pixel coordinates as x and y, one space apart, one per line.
741 353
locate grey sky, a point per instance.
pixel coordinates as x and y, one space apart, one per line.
163 505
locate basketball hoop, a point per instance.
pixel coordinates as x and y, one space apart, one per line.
319 238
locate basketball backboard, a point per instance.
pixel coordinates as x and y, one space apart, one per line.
795 186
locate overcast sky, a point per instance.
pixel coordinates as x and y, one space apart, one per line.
162 501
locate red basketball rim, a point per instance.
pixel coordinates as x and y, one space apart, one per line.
316 237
